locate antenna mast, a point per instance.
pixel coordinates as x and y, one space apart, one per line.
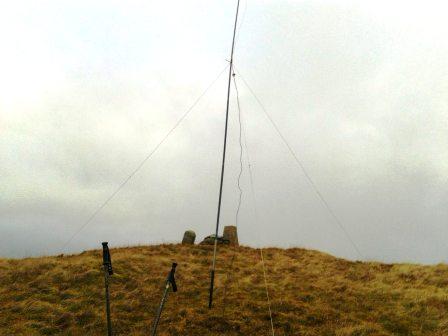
212 272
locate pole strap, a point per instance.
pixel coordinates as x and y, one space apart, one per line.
171 279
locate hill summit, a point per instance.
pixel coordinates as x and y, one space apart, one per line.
311 293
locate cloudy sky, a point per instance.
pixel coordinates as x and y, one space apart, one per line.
359 89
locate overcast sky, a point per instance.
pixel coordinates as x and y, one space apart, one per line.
358 88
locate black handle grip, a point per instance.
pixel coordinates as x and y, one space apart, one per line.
107 261
171 277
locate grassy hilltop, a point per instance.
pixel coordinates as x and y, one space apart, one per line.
312 294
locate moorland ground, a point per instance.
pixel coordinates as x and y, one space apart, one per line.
312 293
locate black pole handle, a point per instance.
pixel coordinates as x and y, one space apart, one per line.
107 261
171 277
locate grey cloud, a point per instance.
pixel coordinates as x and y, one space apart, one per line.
362 99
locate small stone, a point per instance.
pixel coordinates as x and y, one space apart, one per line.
189 237
209 240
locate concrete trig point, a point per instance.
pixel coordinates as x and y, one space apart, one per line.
231 234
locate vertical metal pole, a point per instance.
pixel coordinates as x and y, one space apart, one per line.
212 272
106 283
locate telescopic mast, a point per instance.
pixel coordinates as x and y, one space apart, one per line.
212 272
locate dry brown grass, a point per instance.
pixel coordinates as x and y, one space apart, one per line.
312 294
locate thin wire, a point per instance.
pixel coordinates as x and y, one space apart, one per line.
304 171
256 217
230 269
142 163
267 291
241 152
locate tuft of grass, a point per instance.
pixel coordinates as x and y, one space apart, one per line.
312 293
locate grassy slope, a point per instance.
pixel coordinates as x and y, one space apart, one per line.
312 294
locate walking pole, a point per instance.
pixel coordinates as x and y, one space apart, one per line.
169 281
108 271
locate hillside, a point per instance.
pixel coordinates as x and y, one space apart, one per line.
312 294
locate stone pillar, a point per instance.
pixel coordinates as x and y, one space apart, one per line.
231 234
189 237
